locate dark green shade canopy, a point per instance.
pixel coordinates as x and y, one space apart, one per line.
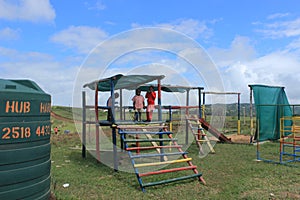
122 82
132 82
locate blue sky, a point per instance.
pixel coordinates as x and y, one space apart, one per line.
250 42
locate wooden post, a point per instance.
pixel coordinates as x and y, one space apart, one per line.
251 113
187 113
239 115
83 134
121 105
159 100
97 123
113 126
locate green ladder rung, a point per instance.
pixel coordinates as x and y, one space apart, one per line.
170 180
151 140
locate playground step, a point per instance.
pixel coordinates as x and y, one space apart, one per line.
288 144
162 143
202 134
202 140
167 171
145 132
158 154
151 140
290 154
162 163
196 128
141 128
195 119
199 134
170 180
152 147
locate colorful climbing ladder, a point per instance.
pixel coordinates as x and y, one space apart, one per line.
289 140
153 156
199 134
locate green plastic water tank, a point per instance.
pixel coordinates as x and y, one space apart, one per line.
24 141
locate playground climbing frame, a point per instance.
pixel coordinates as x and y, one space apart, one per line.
168 157
290 140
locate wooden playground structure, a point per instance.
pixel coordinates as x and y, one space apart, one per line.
151 147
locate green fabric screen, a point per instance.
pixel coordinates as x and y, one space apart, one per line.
271 104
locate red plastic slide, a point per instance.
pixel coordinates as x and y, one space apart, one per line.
214 131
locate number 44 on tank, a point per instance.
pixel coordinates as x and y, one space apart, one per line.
43 130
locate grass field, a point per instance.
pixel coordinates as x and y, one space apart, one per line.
230 173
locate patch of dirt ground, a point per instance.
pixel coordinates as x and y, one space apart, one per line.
244 139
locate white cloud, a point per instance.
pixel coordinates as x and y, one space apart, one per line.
294 45
278 15
281 29
55 78
81 38
159 51
276 69
98 5
240 49
27 10
9 34
191 27
240 66
279 68
14 55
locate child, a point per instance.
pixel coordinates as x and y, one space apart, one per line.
138 105
109 105
150 95
56 130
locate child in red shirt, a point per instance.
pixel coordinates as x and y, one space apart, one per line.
150 96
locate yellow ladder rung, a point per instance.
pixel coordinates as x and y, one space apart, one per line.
162 163
202 140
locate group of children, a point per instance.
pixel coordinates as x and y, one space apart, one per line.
139 104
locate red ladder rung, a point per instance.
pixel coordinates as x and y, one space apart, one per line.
167 171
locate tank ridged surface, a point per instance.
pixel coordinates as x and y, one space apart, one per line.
25 140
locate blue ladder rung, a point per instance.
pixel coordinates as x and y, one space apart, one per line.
290 154
288 145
